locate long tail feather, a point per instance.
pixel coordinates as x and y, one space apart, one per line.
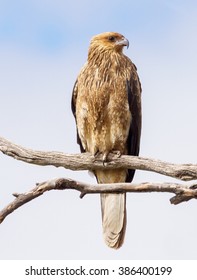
113 208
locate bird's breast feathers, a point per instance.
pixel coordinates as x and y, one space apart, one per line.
102 110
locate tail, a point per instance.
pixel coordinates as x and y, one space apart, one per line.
113 208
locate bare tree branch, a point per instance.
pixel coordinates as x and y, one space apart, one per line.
86 161
182 192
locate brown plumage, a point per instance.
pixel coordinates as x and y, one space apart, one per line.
106 103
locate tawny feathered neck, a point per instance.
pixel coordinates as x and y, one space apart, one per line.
103 56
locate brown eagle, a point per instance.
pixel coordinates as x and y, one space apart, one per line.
106 103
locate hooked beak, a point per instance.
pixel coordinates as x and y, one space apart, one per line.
123 42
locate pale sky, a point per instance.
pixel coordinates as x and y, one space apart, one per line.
43 45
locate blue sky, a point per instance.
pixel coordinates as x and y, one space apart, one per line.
49 25
43 45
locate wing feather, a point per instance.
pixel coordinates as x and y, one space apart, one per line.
73 107
134 99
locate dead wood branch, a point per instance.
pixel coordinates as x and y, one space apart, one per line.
86 161
182 192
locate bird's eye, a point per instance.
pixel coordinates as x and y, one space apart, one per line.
111 38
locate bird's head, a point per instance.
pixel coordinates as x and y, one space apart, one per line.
110 41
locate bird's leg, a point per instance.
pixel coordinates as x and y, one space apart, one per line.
97 154
105 158
117 153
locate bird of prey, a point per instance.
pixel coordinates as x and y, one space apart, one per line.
106 103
